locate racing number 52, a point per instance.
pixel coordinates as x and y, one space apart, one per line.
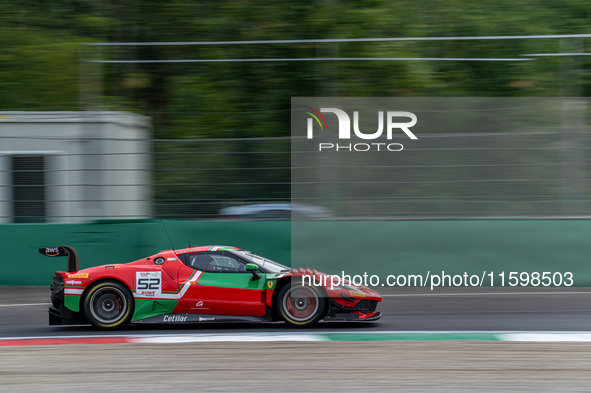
148 283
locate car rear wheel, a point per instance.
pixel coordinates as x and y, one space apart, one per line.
301 305
108 305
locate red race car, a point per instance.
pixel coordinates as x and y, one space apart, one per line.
201 284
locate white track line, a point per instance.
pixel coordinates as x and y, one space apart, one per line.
486 294
546 337
228 338
25 304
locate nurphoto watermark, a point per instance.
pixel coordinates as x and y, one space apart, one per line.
317 120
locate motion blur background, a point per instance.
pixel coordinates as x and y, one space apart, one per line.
117 113
211 132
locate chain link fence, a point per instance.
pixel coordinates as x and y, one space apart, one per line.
481 168
474 158
196 179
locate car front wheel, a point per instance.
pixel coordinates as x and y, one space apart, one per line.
301 305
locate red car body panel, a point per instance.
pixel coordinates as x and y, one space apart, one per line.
165 284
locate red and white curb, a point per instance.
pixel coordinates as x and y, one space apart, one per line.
25 341
301 337
161 339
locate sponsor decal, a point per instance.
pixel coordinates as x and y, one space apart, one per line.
200 305
159 261
202 319
148 284
171 259
170 296
174 318
52 251
73 291
73 282
78 275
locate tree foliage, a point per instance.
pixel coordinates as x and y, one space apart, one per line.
43 53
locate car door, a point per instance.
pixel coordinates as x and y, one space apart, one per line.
224 287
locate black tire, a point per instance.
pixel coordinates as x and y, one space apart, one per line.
108 305
301 305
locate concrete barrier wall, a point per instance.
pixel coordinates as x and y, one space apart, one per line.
452 246
126 241
378 247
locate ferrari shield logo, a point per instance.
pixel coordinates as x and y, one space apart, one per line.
270 284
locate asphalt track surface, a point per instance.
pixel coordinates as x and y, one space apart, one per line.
393 366
23 313
354 366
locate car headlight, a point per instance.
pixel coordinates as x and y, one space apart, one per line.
350 287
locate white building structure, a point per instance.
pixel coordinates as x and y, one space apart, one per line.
74 166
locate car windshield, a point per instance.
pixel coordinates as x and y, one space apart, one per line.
265 263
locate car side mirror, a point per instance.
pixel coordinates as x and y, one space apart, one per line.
251 267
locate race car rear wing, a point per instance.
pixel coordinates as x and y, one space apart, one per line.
63 251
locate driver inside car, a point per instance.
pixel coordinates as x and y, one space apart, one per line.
201 262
